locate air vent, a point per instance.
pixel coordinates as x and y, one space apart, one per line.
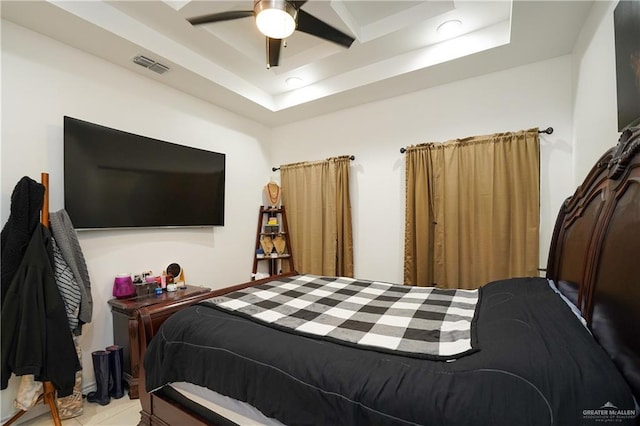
151 64
159 68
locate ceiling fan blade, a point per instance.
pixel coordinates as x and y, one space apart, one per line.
222 16
311 25
273 52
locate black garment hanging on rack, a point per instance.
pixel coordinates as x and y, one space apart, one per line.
35 336
26 202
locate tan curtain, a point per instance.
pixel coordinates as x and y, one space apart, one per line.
419 244
472 210
316 196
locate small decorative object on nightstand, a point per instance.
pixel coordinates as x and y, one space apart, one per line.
176 271
125 326
123 286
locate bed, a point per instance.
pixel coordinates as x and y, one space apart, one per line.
557 350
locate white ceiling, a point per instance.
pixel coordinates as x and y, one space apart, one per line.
397 48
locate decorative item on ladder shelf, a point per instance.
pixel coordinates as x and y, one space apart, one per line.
272 191
267 244
280 244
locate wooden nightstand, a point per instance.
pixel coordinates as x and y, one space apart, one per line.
125 326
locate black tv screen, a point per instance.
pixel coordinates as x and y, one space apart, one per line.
116 179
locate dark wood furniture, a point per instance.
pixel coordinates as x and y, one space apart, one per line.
125 314
593 258
155 410
281 230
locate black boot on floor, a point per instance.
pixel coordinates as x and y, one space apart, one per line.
116 389
101 370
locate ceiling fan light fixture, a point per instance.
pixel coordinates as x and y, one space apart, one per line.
275 18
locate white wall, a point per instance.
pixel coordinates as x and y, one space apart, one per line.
43 80
595 113
539 94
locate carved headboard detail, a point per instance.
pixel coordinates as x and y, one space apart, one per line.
627 147
595 253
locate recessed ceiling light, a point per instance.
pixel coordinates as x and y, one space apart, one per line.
449 28
294 81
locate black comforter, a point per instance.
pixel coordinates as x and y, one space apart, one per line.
537 365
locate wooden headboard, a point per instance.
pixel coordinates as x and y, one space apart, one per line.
595 253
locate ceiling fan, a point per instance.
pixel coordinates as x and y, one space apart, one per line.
277 20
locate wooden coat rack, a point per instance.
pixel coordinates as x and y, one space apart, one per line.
49 393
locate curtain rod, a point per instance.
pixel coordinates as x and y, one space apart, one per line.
351 157
548 131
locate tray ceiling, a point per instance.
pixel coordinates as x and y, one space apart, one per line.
398 48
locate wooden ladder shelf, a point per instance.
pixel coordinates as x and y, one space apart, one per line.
273 245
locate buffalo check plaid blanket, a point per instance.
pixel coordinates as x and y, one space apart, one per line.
423 322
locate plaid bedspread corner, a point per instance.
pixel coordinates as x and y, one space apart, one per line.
424 322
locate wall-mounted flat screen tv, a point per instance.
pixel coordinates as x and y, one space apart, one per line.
116 179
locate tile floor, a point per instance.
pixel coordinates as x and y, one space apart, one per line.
119 412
